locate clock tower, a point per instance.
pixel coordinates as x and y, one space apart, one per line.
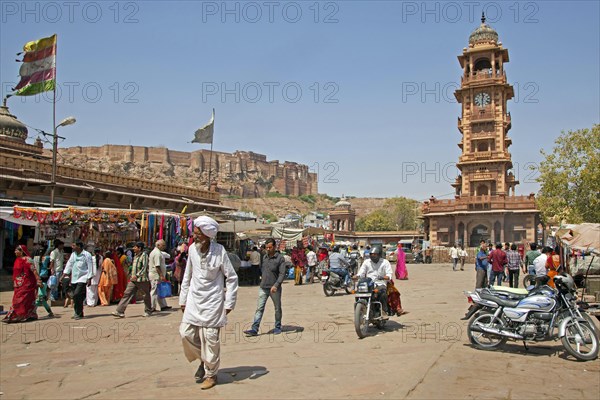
485 205
485 162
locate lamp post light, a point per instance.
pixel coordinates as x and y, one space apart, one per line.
64 122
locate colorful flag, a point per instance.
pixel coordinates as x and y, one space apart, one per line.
205 134
38 72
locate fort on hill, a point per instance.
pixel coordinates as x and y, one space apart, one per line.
243 173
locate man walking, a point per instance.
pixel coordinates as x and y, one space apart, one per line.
156 273
273 273
254 266
205 301
311 260
139 281
454 256
481 267
57 261
81 269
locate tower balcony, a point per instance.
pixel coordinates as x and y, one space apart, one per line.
484 114
466 203
484 77
492 156
460 128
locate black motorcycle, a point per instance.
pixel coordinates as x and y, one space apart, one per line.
332 282
367 308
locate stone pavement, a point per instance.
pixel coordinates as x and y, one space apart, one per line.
422 355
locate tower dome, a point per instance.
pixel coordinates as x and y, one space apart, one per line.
11 127
484 34
343 203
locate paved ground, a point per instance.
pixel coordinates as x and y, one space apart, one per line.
424 354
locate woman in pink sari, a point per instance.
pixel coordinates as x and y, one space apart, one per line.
401 271
26 282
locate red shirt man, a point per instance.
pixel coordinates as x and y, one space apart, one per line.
498 259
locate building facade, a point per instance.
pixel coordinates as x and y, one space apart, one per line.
26 178
485 204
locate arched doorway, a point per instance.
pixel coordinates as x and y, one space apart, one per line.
479 233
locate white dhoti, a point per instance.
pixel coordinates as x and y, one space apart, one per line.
92 295
203 344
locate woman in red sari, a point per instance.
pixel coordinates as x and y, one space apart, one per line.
26 282
119 288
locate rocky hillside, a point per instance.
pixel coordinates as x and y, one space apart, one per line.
280 206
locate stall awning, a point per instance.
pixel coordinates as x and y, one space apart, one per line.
6 213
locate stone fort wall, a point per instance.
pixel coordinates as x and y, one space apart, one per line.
243 173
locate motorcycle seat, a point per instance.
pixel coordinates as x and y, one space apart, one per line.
517 291
498 300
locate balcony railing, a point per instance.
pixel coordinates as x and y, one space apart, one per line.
489 202
481 114
482 76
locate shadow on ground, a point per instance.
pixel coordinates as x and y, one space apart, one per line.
236 374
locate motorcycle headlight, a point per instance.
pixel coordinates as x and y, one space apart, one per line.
363 288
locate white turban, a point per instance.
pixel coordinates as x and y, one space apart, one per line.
207 225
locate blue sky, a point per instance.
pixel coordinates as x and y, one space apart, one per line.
361 91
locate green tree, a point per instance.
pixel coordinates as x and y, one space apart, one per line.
403 212
570 178
397 213
378 220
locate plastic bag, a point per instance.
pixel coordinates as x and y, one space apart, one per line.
164 289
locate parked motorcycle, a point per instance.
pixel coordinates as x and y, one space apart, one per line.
367 309
533 317
332 282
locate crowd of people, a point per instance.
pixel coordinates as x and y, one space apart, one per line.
90 277
504 263
203 276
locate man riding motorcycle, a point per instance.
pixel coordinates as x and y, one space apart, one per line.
339 264
380 271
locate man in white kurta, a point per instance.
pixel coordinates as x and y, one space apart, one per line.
204 301
92 289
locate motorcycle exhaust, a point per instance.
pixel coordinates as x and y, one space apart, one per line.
494 331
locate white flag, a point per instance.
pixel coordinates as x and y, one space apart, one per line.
205 134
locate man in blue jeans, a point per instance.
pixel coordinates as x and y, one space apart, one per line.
273 273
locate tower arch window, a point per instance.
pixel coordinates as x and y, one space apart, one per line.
483 66
482 190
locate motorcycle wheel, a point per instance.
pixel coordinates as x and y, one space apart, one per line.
583 349
328 290
482 340
529 280
361 325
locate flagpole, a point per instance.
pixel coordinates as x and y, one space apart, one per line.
54 136
211 151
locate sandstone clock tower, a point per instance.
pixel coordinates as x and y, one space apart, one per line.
485 162
485 204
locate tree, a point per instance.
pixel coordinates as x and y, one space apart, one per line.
570 178
398 213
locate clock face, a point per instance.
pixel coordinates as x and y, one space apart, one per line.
482 99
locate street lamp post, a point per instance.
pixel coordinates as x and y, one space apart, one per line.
64 122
